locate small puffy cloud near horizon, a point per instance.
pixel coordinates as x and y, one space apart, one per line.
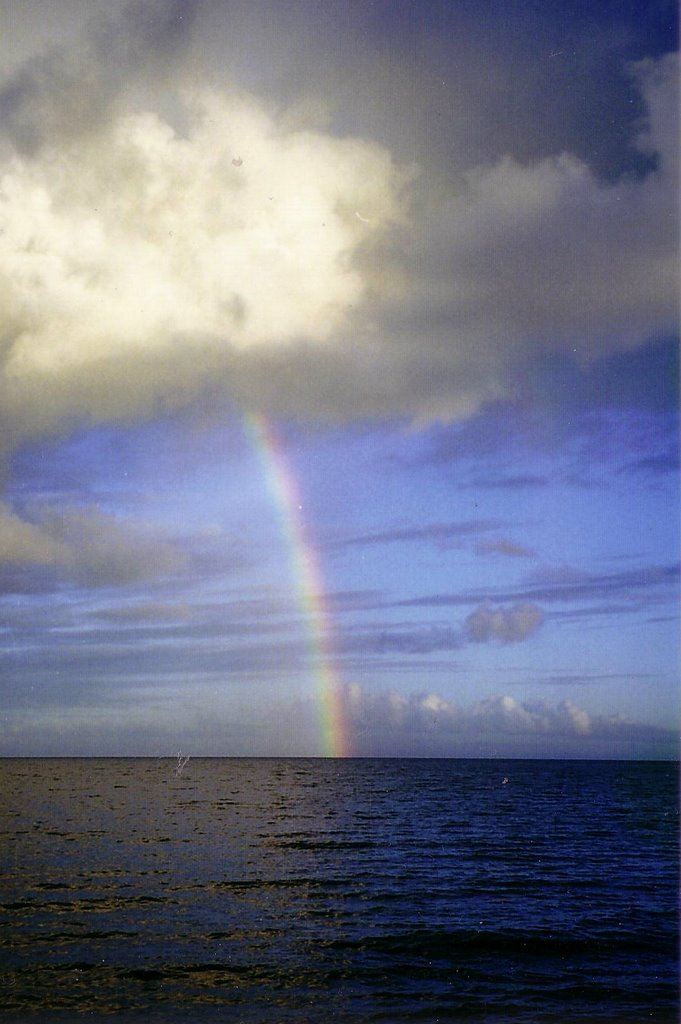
507 625
496 725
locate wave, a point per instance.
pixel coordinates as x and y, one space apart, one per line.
436 943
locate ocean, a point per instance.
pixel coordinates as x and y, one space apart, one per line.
350 891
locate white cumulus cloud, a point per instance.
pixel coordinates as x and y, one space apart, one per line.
135 259
388 722
148 256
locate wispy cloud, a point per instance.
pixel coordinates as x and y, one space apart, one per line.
654 465
442 535
146 611
505 547
520 482
588 678
572 587
410 640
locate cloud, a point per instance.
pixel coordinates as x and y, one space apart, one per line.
562 583
369 640
565 585
505 547
506 625
148 717
654 465
215 244
530 259
389 721
22 543
571 679
443 535
160 245
519 482
105 551
483 625
66 92
454 83
141 265
596 421
146 611
85 545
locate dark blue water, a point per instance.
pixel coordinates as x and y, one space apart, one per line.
348 891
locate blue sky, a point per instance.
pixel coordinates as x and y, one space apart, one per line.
434 246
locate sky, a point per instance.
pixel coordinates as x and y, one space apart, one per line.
339 378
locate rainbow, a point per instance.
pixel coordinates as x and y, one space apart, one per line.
307 576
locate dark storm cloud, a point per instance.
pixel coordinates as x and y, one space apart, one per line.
66 92
454 82
526 213
593 448
643 378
